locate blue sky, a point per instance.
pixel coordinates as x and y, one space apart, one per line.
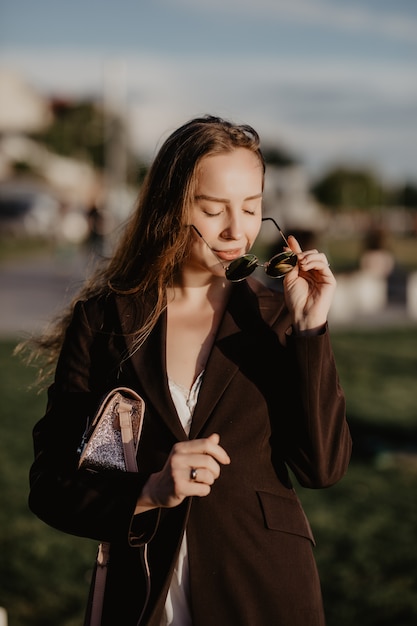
332 80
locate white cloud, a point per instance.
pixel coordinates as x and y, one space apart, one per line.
330 110
344 16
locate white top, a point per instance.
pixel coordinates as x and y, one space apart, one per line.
177 606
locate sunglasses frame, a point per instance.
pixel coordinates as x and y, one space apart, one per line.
285 261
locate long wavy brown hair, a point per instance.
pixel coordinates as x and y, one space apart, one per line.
155 241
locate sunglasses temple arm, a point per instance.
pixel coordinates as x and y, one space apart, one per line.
208 245
198 233
279 229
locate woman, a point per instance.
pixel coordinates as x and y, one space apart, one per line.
239 383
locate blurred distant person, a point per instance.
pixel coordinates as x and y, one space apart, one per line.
96 229
377 259
239 382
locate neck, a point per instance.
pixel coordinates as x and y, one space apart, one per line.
194 287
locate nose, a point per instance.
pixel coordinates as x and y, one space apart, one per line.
233 228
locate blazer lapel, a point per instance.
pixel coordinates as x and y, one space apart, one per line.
218 373
149 361
250 304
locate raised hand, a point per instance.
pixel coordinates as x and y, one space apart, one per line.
190 470
309 289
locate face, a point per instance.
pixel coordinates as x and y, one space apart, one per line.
227 208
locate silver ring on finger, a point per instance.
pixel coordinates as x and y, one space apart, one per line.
193 474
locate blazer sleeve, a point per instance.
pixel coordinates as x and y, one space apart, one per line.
95 505
317 443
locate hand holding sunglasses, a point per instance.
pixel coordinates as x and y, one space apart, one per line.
309 291
308 296
242 267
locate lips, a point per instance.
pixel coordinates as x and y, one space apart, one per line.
228 255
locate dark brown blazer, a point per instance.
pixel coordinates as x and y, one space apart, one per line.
275 401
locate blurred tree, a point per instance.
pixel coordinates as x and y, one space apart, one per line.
77 130
21 168
82 129
407 196
345 189
279 156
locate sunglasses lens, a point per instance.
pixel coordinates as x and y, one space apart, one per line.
281 264
241 268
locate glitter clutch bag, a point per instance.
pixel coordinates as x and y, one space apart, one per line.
111 442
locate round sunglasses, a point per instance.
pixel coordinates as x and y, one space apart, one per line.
242 267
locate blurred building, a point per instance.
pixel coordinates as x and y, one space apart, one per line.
22 109
35 183
287 198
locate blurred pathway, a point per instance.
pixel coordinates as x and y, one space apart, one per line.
33 291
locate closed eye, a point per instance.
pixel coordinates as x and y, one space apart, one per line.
211 214
252 208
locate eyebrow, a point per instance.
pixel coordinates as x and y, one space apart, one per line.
225 200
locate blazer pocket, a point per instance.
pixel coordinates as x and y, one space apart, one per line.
285 515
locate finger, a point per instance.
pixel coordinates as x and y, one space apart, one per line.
294 245
309 253
215 438
199 462
202 475
206 446
199 489
312 259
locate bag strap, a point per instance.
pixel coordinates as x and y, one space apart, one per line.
124 410
97 600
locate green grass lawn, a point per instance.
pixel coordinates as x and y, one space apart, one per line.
378 370
366 526
44 574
